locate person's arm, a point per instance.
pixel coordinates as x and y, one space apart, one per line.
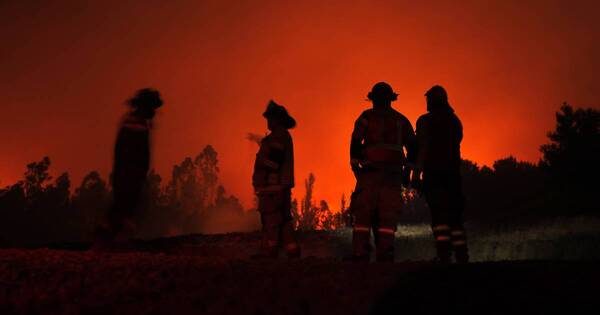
460 130
410 143
421 148
422 138
356 142
259 176
258 173
287 167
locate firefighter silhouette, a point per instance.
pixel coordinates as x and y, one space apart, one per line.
131 164
439 133
379 163
273 180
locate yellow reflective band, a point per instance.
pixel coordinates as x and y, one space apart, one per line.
457 243
439 228
363 229
457 233
442 238
386 231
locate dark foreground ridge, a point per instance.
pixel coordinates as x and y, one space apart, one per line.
186 281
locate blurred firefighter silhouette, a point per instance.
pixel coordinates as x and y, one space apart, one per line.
131 165
273 180
439 133
379 163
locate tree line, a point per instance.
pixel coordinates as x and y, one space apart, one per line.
41 209
562 183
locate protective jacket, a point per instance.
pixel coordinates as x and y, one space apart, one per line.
439 134
274 164
378 139
132 150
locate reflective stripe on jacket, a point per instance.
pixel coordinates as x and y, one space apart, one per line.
380 136
274 164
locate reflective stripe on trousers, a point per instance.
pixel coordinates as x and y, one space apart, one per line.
387 231
362 229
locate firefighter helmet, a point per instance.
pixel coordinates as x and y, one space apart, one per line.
147 97
382 91
279 112
437 93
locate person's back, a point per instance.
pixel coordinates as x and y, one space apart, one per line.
386 131
440 134
378 161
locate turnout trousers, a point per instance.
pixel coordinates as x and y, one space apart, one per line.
443 192
375 206
277 225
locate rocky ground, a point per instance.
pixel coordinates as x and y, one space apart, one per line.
213 275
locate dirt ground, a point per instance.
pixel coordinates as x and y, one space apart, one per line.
214 275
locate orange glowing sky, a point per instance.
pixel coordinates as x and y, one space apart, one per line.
67 66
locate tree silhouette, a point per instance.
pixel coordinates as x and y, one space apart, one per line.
195 197
90 202
55 205
573 153
308 218
12 212
207 164
36 177
327 219
184 194
157 218
571 160
311 216
40 209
